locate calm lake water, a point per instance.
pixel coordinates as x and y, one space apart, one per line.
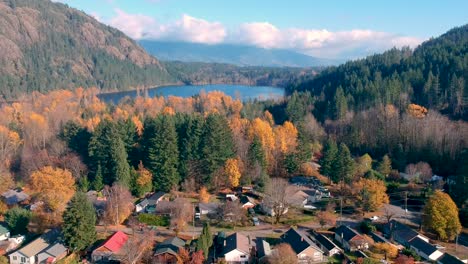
243 92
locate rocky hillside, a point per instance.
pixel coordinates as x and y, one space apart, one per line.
46 45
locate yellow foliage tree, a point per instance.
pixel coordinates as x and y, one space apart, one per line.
9 143
371 194
286 137
231 169
417 110
441 216
389 250
203 195
55 186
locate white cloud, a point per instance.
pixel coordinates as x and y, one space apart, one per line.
316 42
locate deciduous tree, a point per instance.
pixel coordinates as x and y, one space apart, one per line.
441 216
119 204
231 170
283 254
371 193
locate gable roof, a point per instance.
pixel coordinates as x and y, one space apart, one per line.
170 246
263 248
116 241
208 206
153 199
423 246
449 259
246 199
4 230
326 242
400 231
56 250
237 241
14 197
347 233
298 241
40 244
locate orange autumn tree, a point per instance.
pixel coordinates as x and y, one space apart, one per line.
204 195
286 137
144 180
232 172
54 186
417 110
9 143
371 194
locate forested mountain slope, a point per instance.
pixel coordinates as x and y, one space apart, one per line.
46 46
434 75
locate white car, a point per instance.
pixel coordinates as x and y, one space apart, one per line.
374 218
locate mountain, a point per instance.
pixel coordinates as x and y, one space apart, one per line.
46 45
231 54
434 75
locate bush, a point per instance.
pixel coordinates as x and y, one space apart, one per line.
367 227
17 220
411 253
153 220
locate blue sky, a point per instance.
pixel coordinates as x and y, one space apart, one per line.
331 28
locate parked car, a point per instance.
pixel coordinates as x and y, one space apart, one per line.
374 218
251 211
256 221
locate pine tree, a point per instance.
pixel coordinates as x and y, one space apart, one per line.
344 165
330 152
257 154
161 152
205 241
217 144
79 220
119 166
385 166
340 104
98 183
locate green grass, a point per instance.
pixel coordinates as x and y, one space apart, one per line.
153 220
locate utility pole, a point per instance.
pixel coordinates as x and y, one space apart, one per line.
456 243
406 205
193 222
341 209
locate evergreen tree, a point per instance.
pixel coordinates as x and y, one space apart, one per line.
161 152
257 154
189 132
118 162
298 106
330 152
344 165
385 166
340 104
79 220
17 220
205 241
217 144
98 183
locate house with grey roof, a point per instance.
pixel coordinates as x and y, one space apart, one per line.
401 233
350 239
208 208
12 197
425 249
236 249
47 248
326 245
4 233
262 248
449 259
150 201
168 250
306 250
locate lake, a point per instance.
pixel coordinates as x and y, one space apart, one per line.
243 92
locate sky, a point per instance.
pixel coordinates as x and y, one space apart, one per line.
321 28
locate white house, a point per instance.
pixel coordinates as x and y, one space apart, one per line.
208 208
326 245
4 233
237 249
45 249
153 200
424 249
268 209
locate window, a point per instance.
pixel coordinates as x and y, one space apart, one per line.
23 260
243 256
15 258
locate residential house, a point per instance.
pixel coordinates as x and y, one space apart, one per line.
326 245
47 248
11 244
247 202
150 201
350 239
401 233
168 251
208 208
425 249
268 208
4 233
306 250
236 249
231 197
112 249
262 249
12 197
449 259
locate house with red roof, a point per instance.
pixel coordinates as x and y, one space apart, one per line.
112 249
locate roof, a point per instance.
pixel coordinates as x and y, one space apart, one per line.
449 259
155 197
423 246
298 241
246 199
325 242
346 232
42 243
56 250
208 206
4 230
115 242
237 241
143 203
400 230
14 197
263 248
170 245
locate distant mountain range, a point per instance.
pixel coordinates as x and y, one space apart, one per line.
231 54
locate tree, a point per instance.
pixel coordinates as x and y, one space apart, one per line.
326 218
205 241
144 180
403 259
17 220
385 166
79 220
330 152
231 170
198 257
54 186
119 166
6 181
389 250
283 254
340 106
204 195
344 165
371 193
364 164
161 152
119 204
277 195
441 216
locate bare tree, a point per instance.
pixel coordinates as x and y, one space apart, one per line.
136 246
388 214
181 213
276 197
283 254
119 204
232 211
